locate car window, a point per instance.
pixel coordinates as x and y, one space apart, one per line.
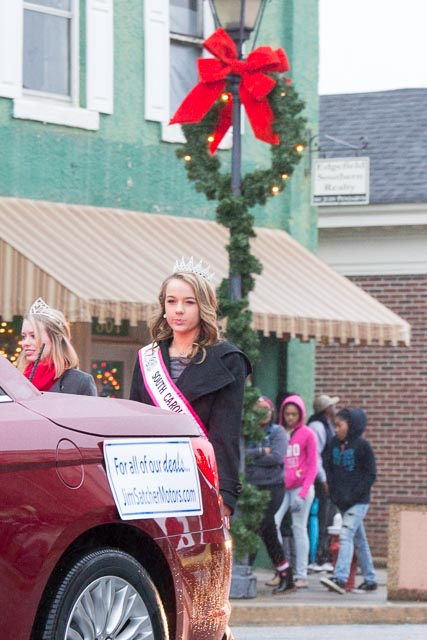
4 397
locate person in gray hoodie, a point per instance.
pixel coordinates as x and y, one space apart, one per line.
351 472
265 470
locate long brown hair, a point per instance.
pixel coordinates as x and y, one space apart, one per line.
207 302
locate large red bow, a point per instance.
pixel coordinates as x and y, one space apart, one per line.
254 87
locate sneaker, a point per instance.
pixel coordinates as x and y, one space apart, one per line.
333 584
366 586
326 567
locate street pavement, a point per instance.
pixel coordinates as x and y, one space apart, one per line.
329 632
318 606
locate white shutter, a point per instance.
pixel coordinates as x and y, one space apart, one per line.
156 60
208 21
100 55
11 28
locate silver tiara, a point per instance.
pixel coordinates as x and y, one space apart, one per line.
181 266
41 308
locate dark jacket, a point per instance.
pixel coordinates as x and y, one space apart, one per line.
215 390
350 465
267 469
75 381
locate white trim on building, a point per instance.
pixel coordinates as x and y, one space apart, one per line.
99 68
375 239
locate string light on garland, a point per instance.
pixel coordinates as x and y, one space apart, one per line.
299 148
275 189
285 176
188 158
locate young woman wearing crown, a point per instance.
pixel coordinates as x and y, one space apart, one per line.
48 358
188 369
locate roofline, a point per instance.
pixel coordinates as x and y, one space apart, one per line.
373 215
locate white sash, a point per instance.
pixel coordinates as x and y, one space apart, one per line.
162 390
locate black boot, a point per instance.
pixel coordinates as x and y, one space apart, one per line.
286 582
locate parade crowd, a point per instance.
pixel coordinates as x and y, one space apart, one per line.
317 472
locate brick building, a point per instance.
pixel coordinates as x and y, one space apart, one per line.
381 247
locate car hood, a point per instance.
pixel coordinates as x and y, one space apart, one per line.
108 417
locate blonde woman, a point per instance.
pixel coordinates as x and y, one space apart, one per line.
188 369
48 358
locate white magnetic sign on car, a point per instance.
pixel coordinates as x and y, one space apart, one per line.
153 477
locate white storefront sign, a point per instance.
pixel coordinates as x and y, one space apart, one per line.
340 181
153 478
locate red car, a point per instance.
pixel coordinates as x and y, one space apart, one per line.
111 524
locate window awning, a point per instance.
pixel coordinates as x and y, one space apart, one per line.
109 263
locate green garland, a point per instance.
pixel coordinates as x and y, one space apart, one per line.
233 212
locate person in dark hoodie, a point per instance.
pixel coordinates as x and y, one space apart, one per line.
351 472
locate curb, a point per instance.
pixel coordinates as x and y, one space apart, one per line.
317 606
264 614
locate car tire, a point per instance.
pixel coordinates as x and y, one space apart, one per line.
104 594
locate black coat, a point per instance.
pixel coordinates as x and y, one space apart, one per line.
215 390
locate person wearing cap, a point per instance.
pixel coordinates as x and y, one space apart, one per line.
321 422
265 470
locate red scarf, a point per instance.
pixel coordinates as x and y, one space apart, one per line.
44 376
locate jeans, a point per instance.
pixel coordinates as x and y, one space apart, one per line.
353 537
299 528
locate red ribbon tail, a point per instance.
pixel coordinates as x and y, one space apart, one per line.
222 126
198 102
260 116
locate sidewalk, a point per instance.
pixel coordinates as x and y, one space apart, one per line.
316 605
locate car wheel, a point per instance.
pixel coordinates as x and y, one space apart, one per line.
106 595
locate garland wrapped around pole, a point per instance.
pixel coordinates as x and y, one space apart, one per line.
274 111
203 169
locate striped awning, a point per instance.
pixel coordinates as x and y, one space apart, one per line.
109 263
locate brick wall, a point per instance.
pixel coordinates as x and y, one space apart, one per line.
391 385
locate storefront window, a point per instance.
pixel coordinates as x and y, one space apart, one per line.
10 339
108 376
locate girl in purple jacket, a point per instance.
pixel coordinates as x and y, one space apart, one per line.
300 473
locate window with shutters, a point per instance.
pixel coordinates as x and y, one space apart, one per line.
40 66
174 31
49 48
186 40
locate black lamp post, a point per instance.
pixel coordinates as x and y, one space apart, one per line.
239 18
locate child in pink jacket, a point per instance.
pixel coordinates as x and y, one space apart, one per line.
300 473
